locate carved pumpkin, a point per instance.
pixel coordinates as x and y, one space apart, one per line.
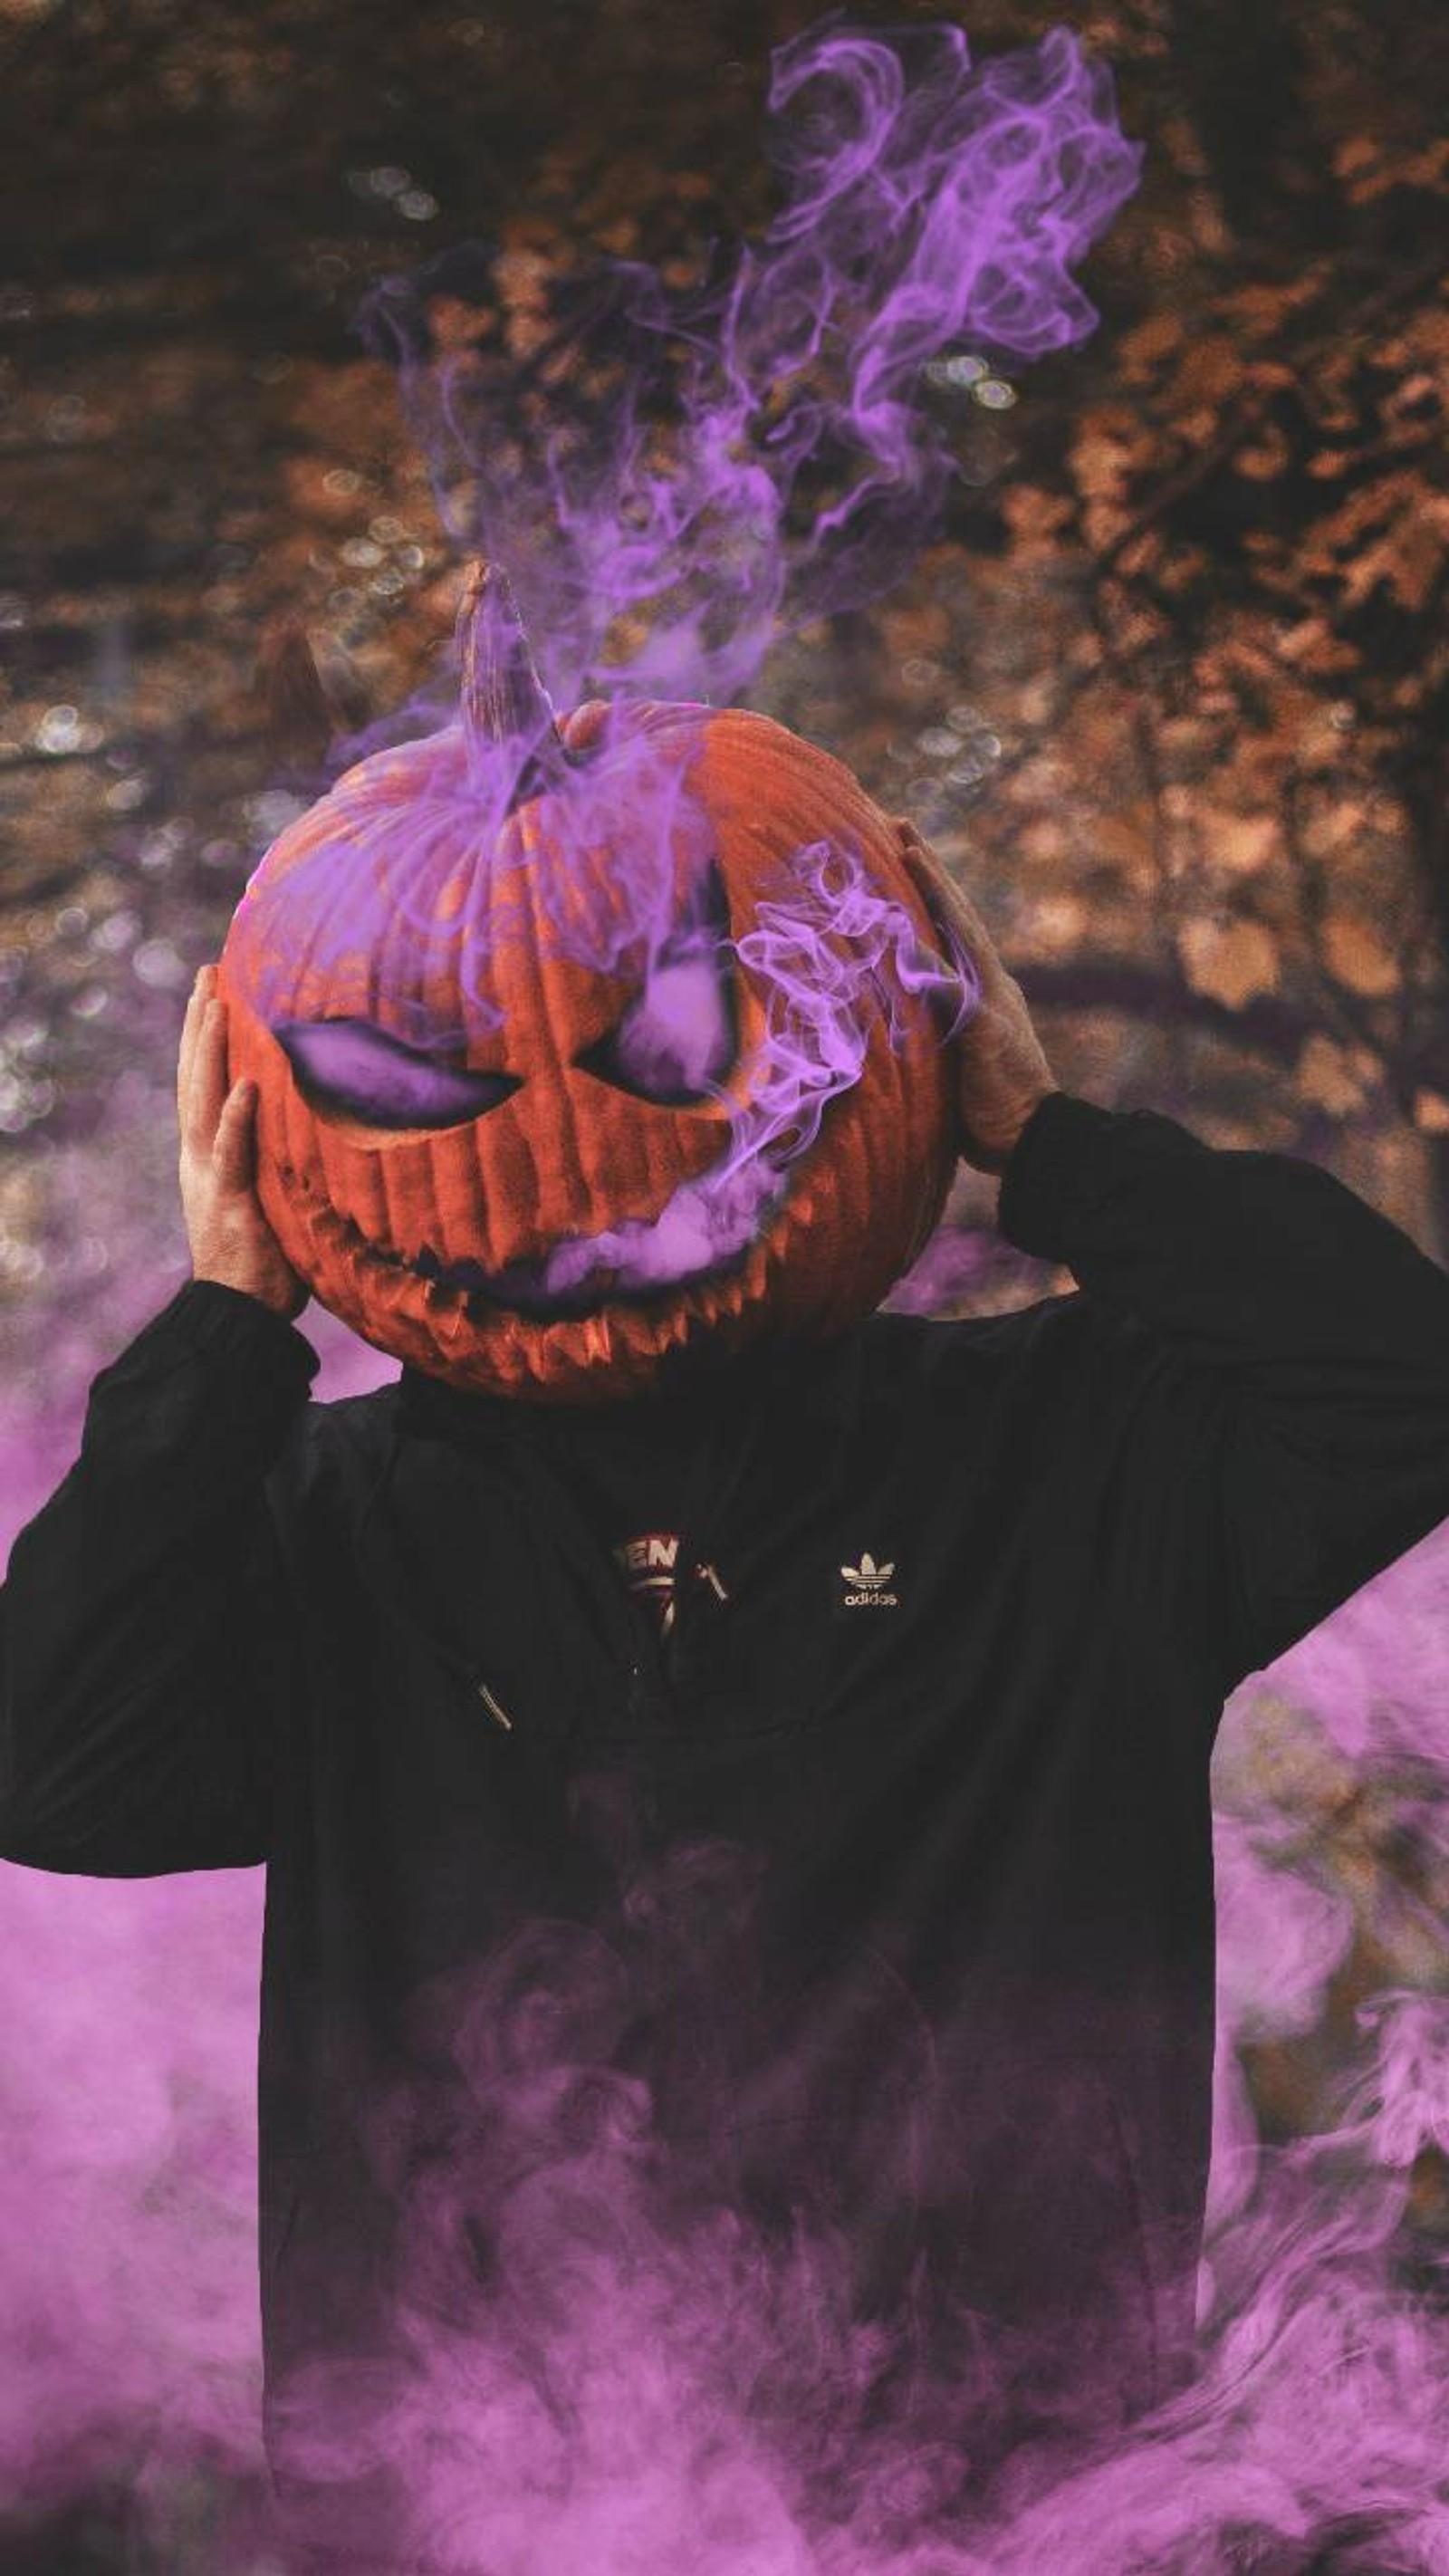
577 1043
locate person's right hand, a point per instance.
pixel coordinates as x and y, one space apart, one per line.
230 1238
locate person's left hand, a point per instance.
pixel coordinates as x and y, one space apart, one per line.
1001 1070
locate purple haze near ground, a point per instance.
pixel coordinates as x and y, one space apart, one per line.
923 209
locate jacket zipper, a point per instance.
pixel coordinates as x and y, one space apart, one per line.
703 1573
494 1706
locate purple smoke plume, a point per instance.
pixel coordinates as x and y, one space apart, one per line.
651 462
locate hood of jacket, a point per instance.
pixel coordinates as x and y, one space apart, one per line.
755 1430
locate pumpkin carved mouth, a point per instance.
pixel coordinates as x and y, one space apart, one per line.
522 1287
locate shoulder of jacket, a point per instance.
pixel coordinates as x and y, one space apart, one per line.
935 1348
335 1437
1039 1361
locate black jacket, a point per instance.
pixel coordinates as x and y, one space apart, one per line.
876 1899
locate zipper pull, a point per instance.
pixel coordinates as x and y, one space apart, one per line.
495 1707
707 1574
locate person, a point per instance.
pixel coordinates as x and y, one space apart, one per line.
787 1795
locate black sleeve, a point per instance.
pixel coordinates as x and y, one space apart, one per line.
146 1636
1305 1328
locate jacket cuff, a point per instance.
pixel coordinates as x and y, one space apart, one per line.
226 1322
1036 1205
208 1389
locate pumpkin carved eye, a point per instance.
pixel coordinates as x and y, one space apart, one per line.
350 1065
677 1038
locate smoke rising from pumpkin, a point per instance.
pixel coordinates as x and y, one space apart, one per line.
677 481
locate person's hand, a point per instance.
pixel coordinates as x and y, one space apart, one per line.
230 1238
1001 1071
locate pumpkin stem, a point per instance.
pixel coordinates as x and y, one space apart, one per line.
503 698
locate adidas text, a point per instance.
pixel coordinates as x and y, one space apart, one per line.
870 1582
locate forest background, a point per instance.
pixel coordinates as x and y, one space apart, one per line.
1170 690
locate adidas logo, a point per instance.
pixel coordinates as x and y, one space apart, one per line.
869 1583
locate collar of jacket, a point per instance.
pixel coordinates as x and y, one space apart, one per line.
756 1421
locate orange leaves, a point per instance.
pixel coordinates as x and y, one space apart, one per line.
1210 372
1110 448
1240 844
1264 457
1037 519
1393 531
1358 955
1140 349
916 627
1337 1078
1230 960
457 325
1310 645
1370 165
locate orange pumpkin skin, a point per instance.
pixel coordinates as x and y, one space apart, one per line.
566 1154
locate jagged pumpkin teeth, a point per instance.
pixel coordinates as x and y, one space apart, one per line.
498 1012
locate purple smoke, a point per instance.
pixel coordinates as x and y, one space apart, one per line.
927 200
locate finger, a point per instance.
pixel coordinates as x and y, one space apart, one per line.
231 1153
184 1055
955 915
947 899
208 1077
950 957
966 962
201 991
935 897
196 1003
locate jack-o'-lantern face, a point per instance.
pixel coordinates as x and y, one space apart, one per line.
646 1047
